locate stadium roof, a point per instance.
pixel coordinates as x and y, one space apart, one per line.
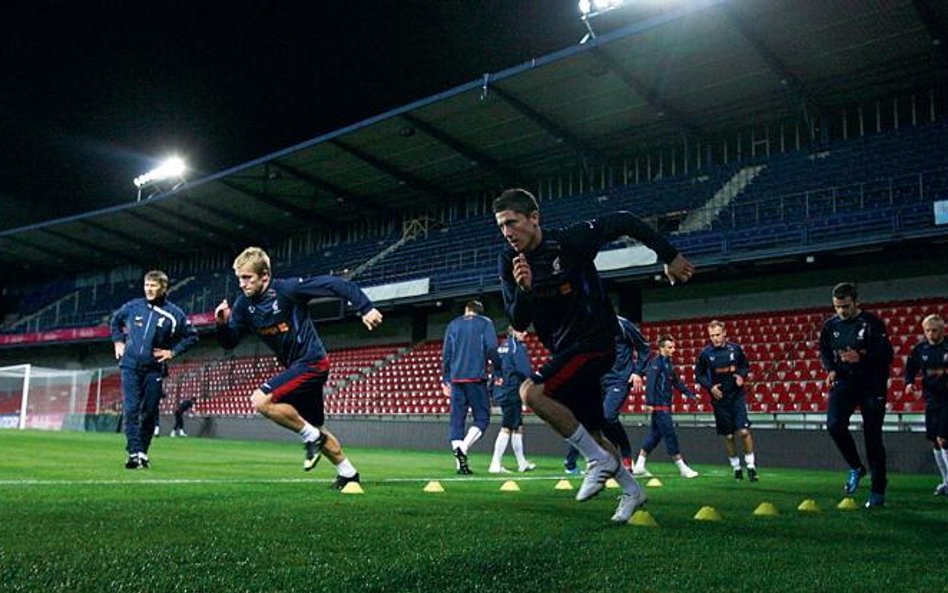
698 72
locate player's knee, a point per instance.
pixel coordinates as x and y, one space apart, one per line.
729 437
744 432
940 442
529 391
261 401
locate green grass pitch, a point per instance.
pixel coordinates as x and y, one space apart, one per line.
216 515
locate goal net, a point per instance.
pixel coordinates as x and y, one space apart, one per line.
51 399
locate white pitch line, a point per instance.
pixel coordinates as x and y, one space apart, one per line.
492 478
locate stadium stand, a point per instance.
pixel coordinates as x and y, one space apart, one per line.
399 379
871 188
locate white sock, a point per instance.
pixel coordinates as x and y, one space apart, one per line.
516 443
735 462
309 432
456 445
941 460
473 434
500 445
640 463
345 469
587 445
681 464
627 481
749 460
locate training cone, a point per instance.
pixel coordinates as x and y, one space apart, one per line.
353 488
654 483
563 485
611 483
809 506
847 504
707 514
766 509
434 486
509 486
643 519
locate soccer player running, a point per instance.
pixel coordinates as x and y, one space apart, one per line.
632 354
930 358
722 369
856 354
146 334
514 368
469 342
658 402
275 309
549 279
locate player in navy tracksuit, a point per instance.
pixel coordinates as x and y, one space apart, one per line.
275 309
722 369
856 354
662 378
930 358
147 333
514 369
549 279
469 342
632 354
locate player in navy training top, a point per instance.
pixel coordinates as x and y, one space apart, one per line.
930 359
662 378
146 334
276 311
514 369
632 354
549 279
856 354
722 370
469 342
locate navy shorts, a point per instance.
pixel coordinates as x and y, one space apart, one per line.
730 414
936 421
573 378
511 412
301 386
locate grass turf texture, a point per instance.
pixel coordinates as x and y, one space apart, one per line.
215 515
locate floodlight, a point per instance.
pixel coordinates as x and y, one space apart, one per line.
167 176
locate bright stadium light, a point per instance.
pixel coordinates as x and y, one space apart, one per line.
589 9
166 177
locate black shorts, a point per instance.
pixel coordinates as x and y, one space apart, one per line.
573 377
730 414
936 420
301 386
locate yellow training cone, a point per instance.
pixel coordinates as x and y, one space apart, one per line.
353 488
654 483
809 506
643 519
847 504
434 486
707 514
563 485
611 483
766 509
509 486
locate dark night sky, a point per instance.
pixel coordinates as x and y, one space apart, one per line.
91 92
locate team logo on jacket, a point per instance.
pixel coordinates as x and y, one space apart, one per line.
276 307
139 321
161 322
557 265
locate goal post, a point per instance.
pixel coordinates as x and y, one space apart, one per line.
46 398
